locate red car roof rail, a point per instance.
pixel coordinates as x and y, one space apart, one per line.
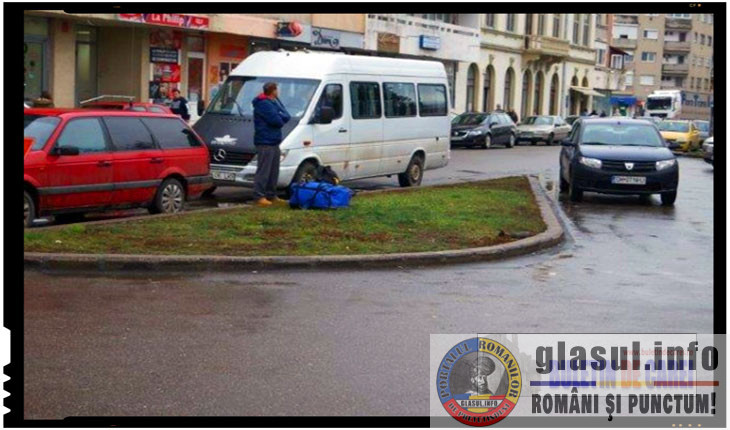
108 97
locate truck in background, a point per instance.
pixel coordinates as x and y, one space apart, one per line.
665 104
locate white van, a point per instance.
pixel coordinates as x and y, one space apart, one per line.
363 116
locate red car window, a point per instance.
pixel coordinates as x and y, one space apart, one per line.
85 134
171 133
128 134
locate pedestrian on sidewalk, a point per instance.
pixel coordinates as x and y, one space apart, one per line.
179 105
269 116
512 114
162 97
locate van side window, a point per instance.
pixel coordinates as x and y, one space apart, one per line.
399 99
365 100
85 134
432 100
129 134
171 133
332 97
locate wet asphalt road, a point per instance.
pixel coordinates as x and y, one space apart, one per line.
356 342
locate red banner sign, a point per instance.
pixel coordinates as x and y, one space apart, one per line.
171 19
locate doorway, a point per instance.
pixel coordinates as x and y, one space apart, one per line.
196 79
87 85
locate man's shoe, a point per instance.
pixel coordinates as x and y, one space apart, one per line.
279 202
263 202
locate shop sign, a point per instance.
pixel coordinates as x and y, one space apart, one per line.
163 55
163 38
162 72
431 43
388 42
325 38
171 19
288 29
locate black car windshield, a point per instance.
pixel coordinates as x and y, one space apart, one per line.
469 119
621 134
662 103
539 120
679 126
237 93
40 128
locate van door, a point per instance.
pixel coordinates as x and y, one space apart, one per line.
366 128
331 141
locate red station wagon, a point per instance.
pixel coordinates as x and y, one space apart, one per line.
83 161
128 106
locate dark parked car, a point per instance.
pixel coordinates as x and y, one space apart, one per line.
483 129
617 156
708 150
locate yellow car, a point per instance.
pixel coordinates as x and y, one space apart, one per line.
680 135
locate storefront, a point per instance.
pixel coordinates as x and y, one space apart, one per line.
35 57
623 105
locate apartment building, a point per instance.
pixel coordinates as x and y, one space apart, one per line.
667 51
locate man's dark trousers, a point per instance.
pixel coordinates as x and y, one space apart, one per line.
267 171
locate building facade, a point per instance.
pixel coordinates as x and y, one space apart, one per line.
75 57
667 51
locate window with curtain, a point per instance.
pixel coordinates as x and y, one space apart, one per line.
576 27
508 90
556 25
538 92
541 24
510 22
490 20
470 78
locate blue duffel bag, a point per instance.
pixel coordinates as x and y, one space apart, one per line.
319 195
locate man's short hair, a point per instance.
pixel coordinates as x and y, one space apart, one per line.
269 88
176 90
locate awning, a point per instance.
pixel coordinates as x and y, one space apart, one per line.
623 100
587 91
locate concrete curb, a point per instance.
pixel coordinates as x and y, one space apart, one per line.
552 236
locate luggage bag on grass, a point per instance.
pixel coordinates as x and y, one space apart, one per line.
319 195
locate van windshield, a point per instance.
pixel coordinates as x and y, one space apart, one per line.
236 94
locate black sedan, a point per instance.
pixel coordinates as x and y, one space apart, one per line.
617 156
483 130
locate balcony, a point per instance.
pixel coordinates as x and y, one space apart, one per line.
622 43
543 48
675 69
676 46
626 19
678 24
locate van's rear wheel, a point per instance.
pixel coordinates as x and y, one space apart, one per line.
28 209
414 173
170 197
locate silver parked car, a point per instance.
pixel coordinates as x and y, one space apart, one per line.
708 150
542 128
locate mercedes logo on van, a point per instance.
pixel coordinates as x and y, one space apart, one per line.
225 140
219 155
629 166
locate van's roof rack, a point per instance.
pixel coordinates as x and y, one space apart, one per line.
108 97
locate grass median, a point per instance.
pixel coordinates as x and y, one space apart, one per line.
438 218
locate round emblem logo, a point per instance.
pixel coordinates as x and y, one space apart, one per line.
479 382
220 155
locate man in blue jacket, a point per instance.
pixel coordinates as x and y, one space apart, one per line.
269 116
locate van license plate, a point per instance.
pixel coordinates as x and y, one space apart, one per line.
629 180
223 176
